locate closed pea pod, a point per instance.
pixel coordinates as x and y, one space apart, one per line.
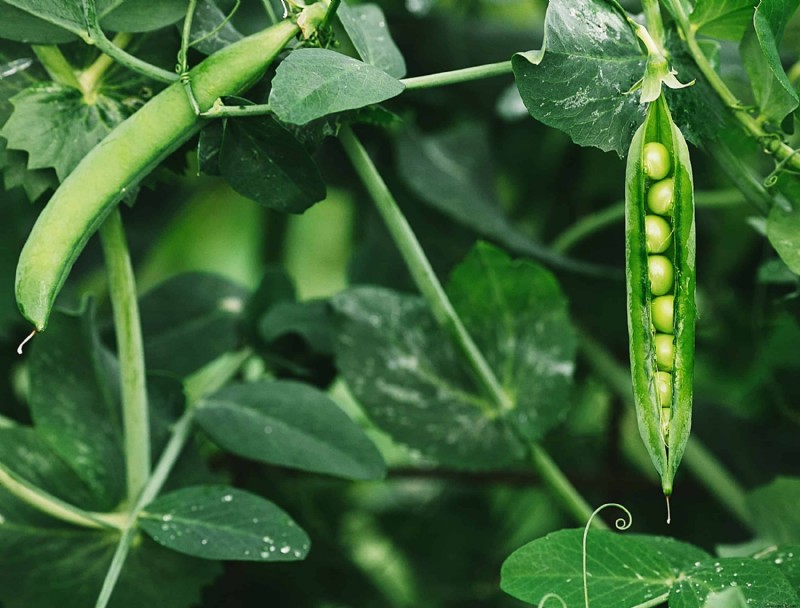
661 309
131 151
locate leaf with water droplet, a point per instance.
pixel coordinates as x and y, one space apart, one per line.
217 522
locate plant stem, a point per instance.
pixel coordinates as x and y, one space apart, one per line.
92 76
562 488
588 225
421 270
55 507
697 458
130 349
444 313
205 381
769 141
652 17
56 65
270 10
457 76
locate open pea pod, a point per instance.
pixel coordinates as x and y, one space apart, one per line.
662 369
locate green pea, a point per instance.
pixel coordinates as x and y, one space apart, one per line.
663 311
661 274
660 196
665 351
131 151
655 160
658 232
664 388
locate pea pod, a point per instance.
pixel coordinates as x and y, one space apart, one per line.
127 154
664 427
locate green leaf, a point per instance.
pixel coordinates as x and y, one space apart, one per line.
56 127
629 570
786 558
210 28
220 522
517 315
74 403
42 567
365 24
289 424
144 15
775 512
415 385
775 95
264 162
783 232
579 81
312 83
726 19
20 26
190 320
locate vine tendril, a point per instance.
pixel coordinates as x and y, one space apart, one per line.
551 596
621 523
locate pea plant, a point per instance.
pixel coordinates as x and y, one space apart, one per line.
412 334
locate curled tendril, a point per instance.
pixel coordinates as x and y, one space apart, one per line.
219 27
621 523
780 167
551 596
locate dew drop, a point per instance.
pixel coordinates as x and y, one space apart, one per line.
285 549
227 498
167 517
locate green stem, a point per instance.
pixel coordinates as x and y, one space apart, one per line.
7 423
656 601
55 507
220 110
562 488
270 10
332 8
421 270
652 17
750 125
697 458
205 381
130 348
458 76
56 65
444 313
594 222
92 76
97 37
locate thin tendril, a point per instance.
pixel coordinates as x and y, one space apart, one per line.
772 178
25 341
222 24
551 596
620 524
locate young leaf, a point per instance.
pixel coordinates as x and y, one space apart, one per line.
774 508
190 320
289 424
264 162
220 522
629 570
365 24
417 386
56 127
312 83
783 232
775 95
726 19
74 403
579 81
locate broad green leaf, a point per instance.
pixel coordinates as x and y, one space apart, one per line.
74 403
629 570
312 83
453 171
190 320
517 315
31 460
56 127
21 26
775 512
220 522
786 558
580 81
726 19
210 28
730 598
310 320
117 15
783 232
365 24
264 162
775 95
289 424
416 385
42 567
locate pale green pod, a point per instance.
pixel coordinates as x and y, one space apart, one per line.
664 444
